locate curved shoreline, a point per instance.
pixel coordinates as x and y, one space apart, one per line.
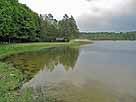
12 78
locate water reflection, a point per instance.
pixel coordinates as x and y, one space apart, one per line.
66 91
32 62
104 72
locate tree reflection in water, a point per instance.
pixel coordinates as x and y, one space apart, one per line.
32 62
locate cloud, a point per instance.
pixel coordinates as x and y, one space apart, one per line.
91 15
109 15
89 0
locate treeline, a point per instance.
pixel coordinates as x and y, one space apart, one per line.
18 23
109 35
51 28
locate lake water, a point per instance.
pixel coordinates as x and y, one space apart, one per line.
101 72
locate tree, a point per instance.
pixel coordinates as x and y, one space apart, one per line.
68 27
74 29
17 21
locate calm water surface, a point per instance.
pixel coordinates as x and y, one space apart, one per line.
101 72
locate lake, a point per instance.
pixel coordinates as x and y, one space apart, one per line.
104 71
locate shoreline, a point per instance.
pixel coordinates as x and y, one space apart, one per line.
12 78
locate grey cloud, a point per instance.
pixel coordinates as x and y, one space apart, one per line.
124 23
96 9
89 0
121 19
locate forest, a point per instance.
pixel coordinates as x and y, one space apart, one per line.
108 35
18 23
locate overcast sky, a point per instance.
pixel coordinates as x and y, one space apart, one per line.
91 15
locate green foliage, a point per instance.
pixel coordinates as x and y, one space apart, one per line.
51 28
17 21
68 27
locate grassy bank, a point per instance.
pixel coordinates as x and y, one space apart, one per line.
16 48
11 78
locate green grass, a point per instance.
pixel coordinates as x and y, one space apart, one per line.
10 80
16 48
6 49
